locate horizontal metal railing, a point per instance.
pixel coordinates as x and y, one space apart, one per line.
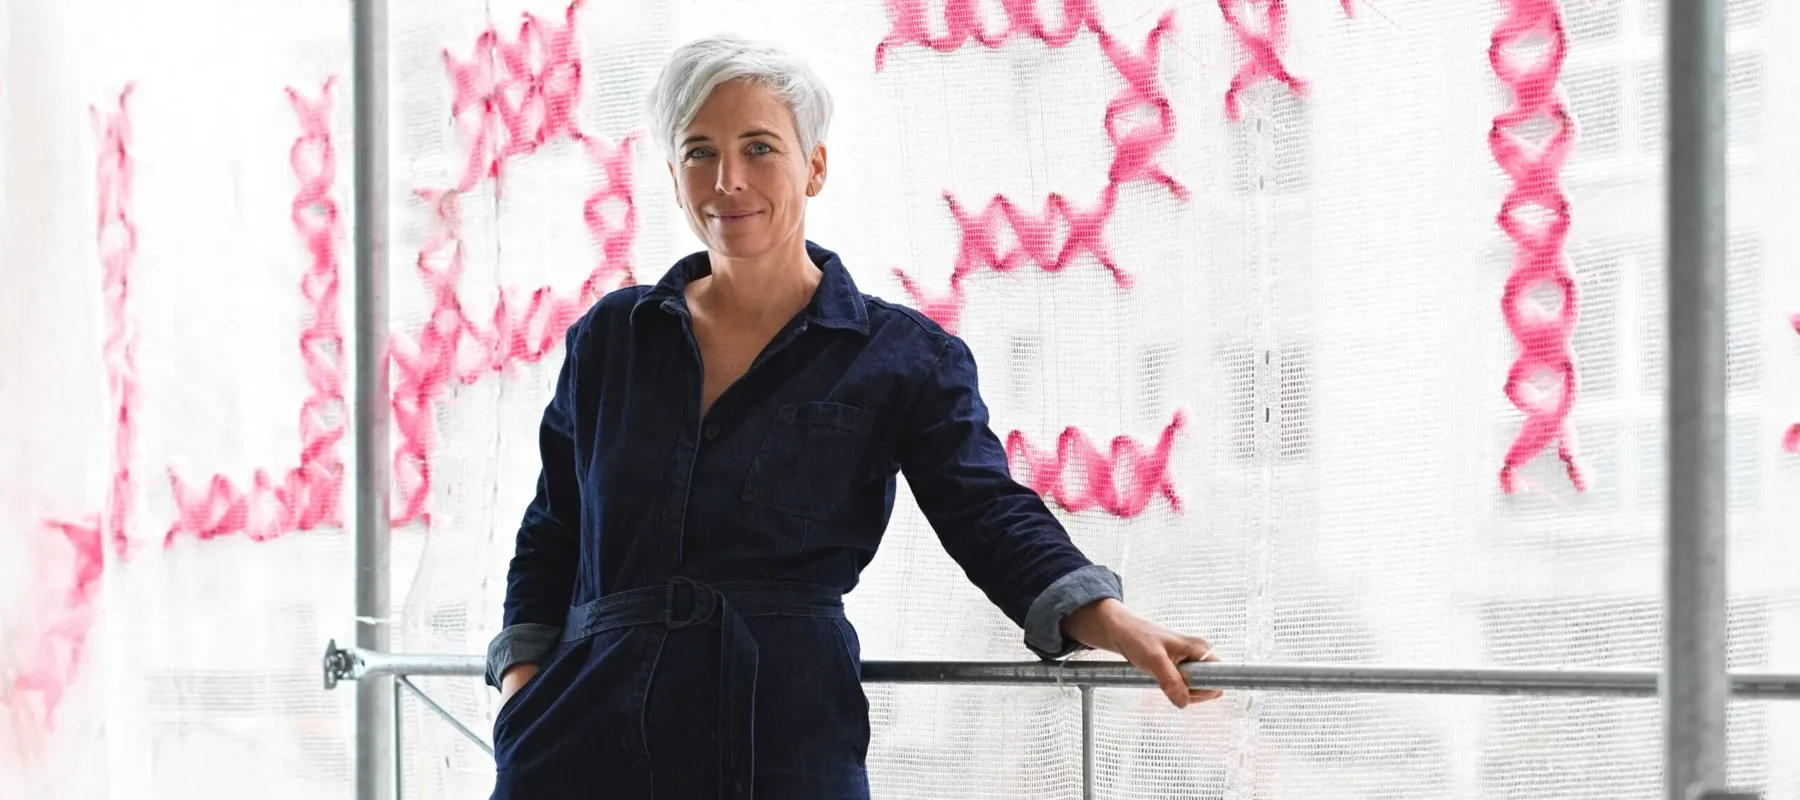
357 663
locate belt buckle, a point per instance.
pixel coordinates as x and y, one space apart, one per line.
703 602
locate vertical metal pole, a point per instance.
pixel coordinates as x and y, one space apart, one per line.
1087 743
1695 683
399 743
374 700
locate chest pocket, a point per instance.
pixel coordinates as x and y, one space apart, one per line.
810 459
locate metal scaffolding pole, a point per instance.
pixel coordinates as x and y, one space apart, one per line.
375 773
1696 687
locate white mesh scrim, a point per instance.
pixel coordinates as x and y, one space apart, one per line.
1304 301
154 278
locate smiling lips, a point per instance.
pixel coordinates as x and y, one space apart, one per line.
734 216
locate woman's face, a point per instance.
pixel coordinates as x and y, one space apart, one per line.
740 175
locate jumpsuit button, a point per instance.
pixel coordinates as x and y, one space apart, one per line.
712 432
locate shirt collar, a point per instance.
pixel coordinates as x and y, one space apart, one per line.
835 304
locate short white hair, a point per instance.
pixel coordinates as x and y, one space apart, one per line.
698 67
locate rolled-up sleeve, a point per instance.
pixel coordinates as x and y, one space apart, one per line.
541 577
999 531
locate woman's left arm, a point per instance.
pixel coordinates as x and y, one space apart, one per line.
1009 544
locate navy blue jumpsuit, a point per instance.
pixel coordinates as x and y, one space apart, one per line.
679 577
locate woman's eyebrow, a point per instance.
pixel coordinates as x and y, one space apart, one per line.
749 134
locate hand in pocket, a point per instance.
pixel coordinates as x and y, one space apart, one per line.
514 680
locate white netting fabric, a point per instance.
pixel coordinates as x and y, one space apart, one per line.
1301 332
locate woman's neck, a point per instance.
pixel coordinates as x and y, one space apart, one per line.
769 288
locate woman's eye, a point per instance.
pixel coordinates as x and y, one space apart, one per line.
761 149
698 152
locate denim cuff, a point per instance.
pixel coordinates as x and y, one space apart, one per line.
1043 622
527 642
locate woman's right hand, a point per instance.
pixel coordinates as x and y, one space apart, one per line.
515 679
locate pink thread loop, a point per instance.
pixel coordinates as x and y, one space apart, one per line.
1542 380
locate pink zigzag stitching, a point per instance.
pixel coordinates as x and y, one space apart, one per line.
1144 472
1543 336
307 495
52 663
962 20
506 106
1134 159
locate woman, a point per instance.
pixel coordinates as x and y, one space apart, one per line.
718 466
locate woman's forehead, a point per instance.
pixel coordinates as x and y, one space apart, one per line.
740 106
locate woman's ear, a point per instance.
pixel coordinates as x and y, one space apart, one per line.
815 181
674 183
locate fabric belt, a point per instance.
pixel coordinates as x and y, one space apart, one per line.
684 602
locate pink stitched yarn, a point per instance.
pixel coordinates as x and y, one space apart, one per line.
307 496
51 662
511 97
1077 476
962 21
1262 49
507 105
1538 262
1083 229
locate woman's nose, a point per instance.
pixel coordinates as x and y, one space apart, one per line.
730 176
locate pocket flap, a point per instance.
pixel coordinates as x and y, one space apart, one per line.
828 414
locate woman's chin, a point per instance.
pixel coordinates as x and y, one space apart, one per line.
738 244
